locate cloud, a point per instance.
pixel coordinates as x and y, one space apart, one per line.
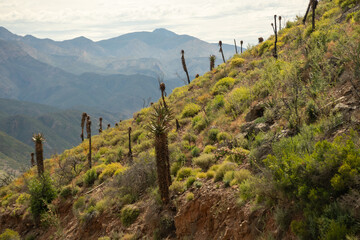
208 20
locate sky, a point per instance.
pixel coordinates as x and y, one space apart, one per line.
208 20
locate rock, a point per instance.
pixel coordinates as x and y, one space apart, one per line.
255 112
262 127
341 107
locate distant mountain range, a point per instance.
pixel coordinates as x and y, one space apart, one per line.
61 128
109 78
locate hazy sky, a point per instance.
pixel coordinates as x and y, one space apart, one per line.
209 20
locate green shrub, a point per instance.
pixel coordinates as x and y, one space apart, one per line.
223 168
42 193
90 176
189 196
184 173
195 152
177 187
129 214
204 161
242 175
210 174
237 101
223 136
189 182
79 204
9 234
190 137
190 110
199 123
175 168
209 149
218 102
237 62
223 85
212 134
198 184
66 192
228 177
246 190
312 112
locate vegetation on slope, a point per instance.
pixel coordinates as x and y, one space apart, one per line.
283 132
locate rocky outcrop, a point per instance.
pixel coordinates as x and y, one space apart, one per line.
214 214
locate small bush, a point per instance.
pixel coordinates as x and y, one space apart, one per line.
228 177
199 123
9 234
204 161
189 196
42 193
198 184
110 170
184 173
212 134
189 182
218 102
209 149
177 187
90 176
190 110
237 101
223 136
223 168
129 214
237 62
312 112
210 174
66 192
242 175
195 152
223 85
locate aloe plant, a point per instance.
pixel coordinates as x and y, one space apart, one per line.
221 51
276 37
32 160
100 125
130 155
88 130
159 126
236 51
241 44
83 119
212 62
184 65
39 139
162 89
279 23
312 4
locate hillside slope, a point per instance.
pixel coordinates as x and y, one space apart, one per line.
267 149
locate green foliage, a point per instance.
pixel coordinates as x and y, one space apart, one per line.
199 123
209 149
223 85
189 196
129 214
184 173
204 161
189 181
218 102
312 112
347 3
242 175
9 234
190 110
66 192
42 193
246 190
195 152
222 169
228 177
237 101
317 178
90 176
212 134
237 62
177 187
223 136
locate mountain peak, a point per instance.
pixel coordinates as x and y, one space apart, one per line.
163 31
